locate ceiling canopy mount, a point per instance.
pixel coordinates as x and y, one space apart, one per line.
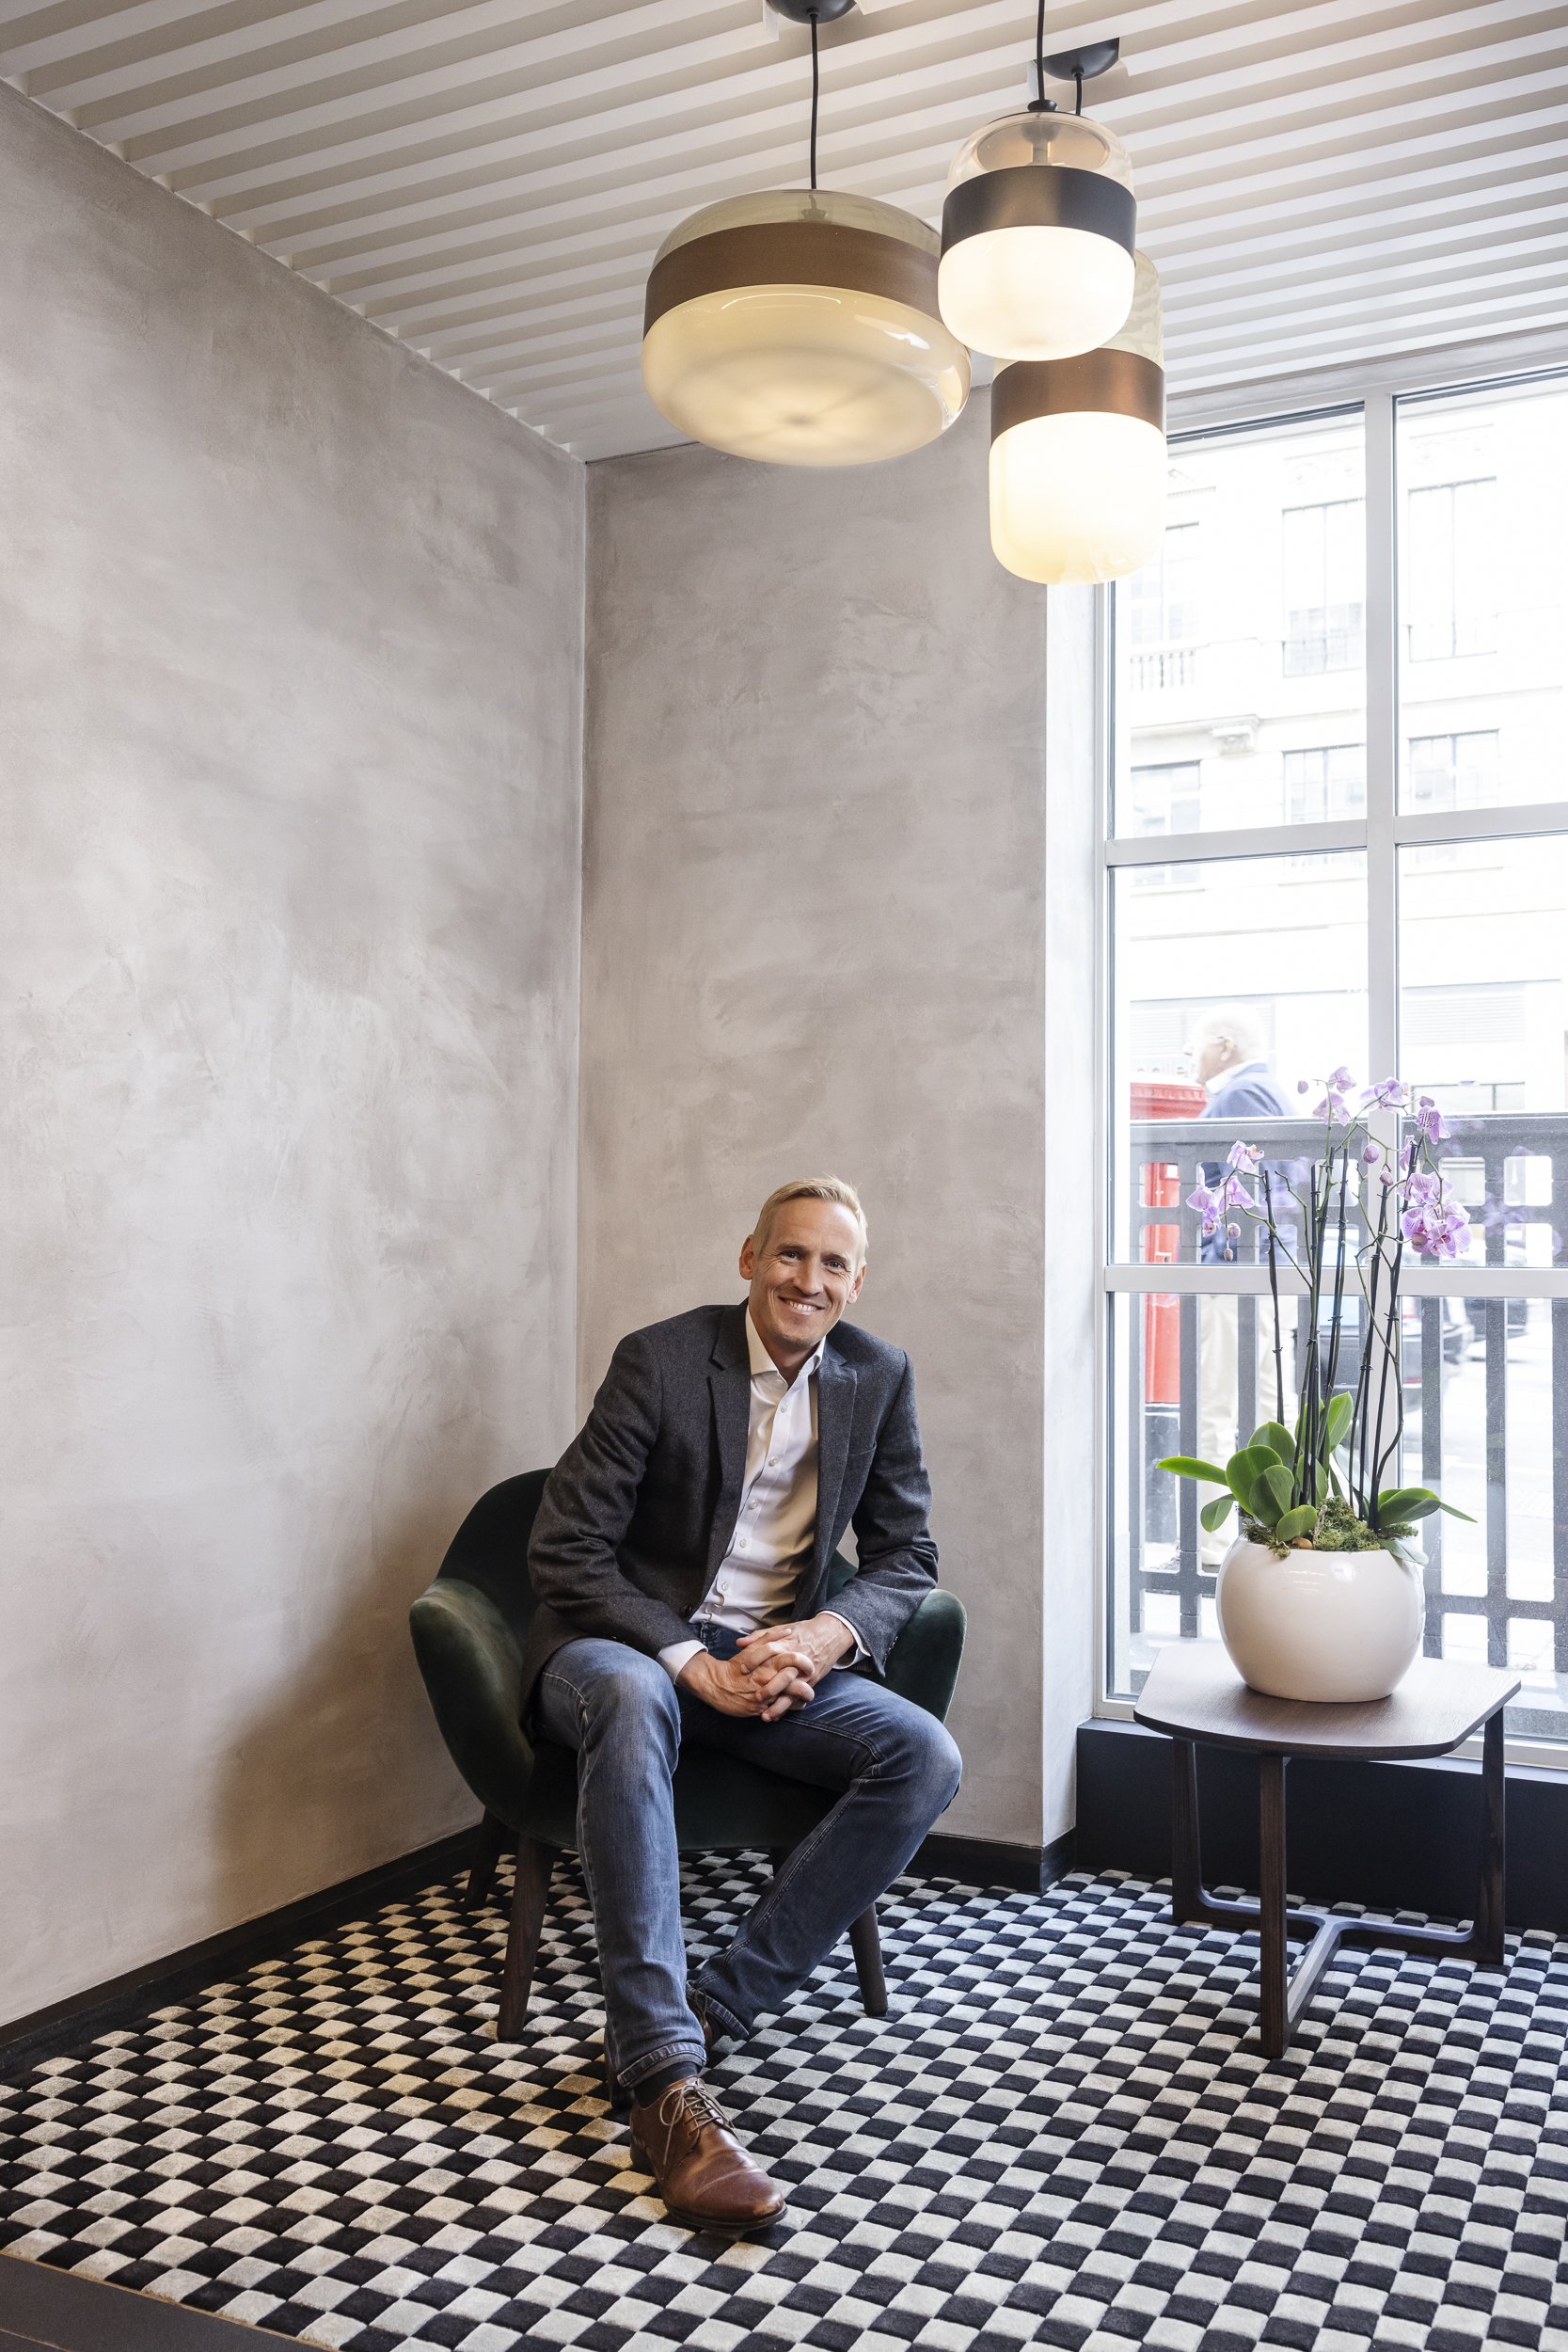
811 12
1076 66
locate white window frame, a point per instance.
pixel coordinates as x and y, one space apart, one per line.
1383 830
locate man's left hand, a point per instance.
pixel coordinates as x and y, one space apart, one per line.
821 1641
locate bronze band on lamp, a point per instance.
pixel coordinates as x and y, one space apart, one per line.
1108 382
1078 454
800 327
1038 227
792 253
1040 195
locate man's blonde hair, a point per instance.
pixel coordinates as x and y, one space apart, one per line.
811 1188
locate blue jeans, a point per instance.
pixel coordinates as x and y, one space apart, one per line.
896 1766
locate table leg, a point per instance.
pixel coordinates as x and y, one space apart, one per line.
1491 1902
1274 1995
1186 1865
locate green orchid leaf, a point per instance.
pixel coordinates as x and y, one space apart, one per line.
1188 1466
1337 1420
1454 1512
1297 1522
1215 1513
1244 1469
1397 1504
1271 1495
1275 1438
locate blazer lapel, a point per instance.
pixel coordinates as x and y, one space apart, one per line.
835 1406
729 1382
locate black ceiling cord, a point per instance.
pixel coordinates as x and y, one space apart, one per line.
1039 103
815 91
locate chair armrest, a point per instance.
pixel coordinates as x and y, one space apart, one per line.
472 1666
923 1664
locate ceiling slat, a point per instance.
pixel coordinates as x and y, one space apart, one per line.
489 178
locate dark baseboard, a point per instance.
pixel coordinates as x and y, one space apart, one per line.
59 2311
1392 1837
988 1862
101 2008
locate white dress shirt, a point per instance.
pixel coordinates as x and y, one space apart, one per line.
775 1528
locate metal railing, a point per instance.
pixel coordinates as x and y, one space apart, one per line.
1162 666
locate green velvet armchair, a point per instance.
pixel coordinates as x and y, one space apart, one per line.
468 1636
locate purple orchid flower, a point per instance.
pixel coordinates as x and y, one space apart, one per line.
1390 1094
1337 1087
1208 1205
1212 1201
1243 1155
1435 1225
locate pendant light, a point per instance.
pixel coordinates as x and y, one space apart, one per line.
800 326
1078 454
1039 223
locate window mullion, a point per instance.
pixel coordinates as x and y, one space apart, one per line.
1381 741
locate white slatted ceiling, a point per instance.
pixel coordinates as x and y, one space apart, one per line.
489 181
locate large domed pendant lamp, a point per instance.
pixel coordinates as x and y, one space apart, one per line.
800 326
1078 454
1039 224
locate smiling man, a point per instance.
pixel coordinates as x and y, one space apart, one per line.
680 1556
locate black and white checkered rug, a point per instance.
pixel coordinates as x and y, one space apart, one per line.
1064 2134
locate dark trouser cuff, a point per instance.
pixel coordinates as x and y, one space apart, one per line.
660 2068
733 2028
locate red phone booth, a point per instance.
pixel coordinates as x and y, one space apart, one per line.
1159 1187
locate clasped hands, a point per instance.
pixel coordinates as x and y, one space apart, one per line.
774 1670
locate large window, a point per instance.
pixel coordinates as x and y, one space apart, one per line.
1338 833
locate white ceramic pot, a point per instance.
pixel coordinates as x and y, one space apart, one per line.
1333 1626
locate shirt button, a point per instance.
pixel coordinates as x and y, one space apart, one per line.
772 1461
742 1544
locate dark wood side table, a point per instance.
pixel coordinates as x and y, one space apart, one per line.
1194 1694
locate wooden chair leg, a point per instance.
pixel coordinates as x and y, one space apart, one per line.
867 1943
489 1844
529 1895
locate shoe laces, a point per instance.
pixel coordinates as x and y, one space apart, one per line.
698 2103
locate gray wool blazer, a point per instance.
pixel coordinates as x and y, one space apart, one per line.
639 1512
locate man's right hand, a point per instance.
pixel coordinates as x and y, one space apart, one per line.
735 1687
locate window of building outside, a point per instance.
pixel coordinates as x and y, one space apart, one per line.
1338 833
1324 548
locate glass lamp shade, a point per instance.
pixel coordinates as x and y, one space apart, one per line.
1038 235
1078 455
802 327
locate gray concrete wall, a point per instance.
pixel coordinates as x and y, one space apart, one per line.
815 844
289 676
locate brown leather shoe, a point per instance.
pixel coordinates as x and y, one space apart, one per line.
706 2177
